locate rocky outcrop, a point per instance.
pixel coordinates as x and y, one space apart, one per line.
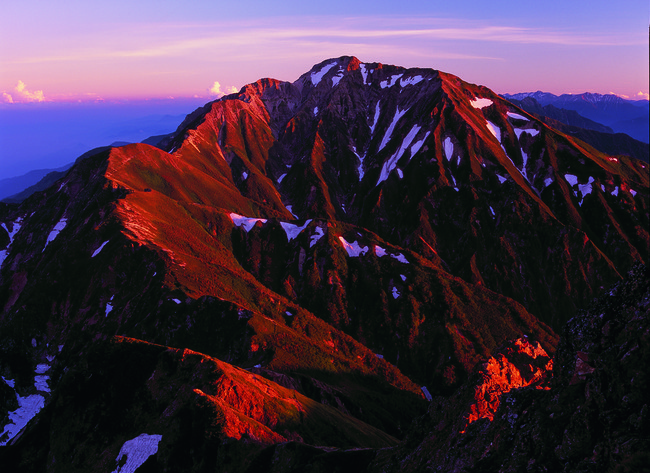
591 417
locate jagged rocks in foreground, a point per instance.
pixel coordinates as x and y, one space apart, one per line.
593 416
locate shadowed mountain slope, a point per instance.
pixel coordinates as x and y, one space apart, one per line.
358 240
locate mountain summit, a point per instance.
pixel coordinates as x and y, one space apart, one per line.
302 264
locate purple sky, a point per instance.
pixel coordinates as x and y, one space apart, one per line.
79 50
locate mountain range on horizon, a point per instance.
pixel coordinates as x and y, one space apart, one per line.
367 269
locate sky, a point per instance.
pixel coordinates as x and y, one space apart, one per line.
71 50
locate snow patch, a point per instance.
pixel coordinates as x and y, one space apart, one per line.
381 357
290 209
244 175
403 277
501 179
410 80
548 181
418 144
246 222
391 163
317 76
516 116
292 230
364 73
400 257
375 119
390 82
177 301
337 78
353 249
136 452
398 114
109 308
379 251
98 250
28 407
448 146
633 192
530 131
60 225
481 103
316 236
12 233
571 179
315 110
523 167
426 393
615 191
396 293
495 130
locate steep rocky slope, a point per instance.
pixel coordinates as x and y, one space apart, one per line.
592 416
337 250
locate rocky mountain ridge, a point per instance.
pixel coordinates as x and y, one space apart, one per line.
357 242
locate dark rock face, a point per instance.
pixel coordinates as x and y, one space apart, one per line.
294 271
591 417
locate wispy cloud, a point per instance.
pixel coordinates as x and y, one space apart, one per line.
165 40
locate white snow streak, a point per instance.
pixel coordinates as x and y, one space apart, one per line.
375 120
292 230
517 116
418 144
316 236
530 131
448 146
246 222
353 249
398 114
400 257
426 393
410 80
390 82
55 231
136 452
28 407
391 162
282 177
364 73
495 130
571 179
317 76
98 250
481 103
337 78
523 167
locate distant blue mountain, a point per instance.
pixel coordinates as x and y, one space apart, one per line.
622 115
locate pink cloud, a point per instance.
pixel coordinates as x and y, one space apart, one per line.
216 90
21 94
